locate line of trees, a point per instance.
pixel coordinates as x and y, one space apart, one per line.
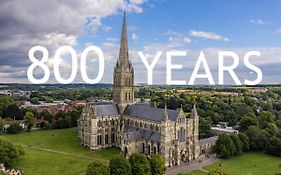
138 164
231 145
258 115
15 127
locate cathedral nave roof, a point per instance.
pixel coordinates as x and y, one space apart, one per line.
142 134
150 113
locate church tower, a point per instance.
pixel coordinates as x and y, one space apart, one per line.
123 77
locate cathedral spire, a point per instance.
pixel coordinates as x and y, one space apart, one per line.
123 77
123 60
194 111
166 115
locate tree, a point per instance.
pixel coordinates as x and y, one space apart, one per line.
34 100
238 144
246 122
32 110
139 164
5 101
257 138
271 129
225 147
49 100
273 146
157 165
265 118
46 115
29 120
75 114
2 123
278 123
245 141
14 128
204 127
45 125
231 118
9 153
97 168
67 121
219 171
119 166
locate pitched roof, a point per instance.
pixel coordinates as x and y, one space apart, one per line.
150 113
104 109
208 140
142 134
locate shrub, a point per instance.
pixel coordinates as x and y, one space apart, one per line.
9 153
139 164
14 128
157 165
119 166
97 168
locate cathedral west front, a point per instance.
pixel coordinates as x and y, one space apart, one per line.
138 127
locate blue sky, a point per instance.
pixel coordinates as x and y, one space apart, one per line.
236 20
153 25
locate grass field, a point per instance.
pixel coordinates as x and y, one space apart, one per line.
248 164
43 163
38 162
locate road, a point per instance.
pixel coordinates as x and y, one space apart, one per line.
191 166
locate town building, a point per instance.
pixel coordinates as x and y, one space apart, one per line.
223 128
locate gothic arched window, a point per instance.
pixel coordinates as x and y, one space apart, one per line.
181 135
148 151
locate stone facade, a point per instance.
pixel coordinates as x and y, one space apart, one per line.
138 127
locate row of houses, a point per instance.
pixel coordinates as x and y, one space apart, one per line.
54 107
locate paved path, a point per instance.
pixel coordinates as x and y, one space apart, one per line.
191 166
61 152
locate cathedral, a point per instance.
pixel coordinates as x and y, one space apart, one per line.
138 127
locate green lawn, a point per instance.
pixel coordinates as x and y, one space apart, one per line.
248 164
43 163
65 140
38 162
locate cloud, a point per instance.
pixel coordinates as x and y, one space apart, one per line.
257 21
186 40
177 39
106 28
50 24
269 62
208 35
134 37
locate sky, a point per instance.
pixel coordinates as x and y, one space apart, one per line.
153 25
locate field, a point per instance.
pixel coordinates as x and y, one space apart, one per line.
248 164
43 163
65 155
